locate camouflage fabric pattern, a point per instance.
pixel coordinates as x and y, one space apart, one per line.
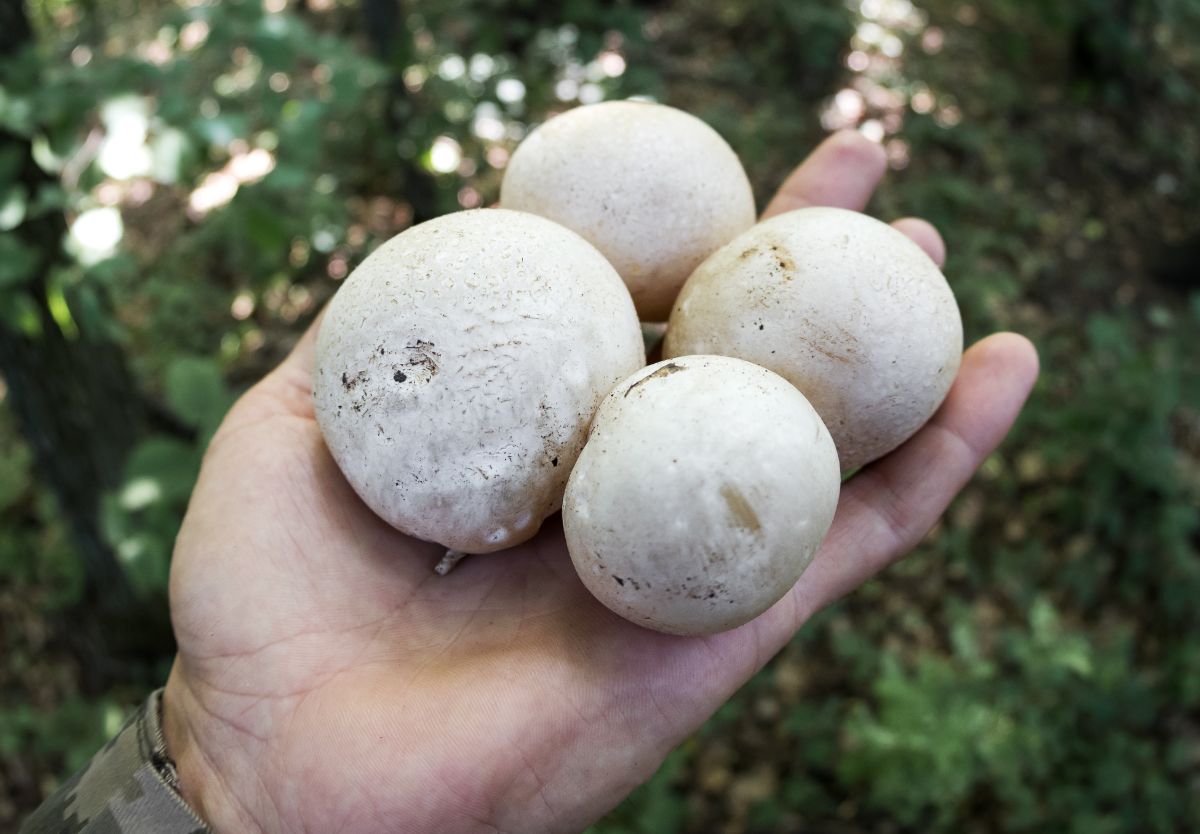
124 789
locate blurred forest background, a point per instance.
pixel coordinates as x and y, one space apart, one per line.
182 185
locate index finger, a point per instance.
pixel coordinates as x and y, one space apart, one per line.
887 508
843 172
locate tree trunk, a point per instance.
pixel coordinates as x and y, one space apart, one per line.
1107 45
392 45
71 391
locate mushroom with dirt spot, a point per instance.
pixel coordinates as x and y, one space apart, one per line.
481 344
706 486
843 306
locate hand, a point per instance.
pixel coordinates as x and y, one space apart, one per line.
327 680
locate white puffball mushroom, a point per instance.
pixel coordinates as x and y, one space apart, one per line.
458 369
706 486
655 189
843 306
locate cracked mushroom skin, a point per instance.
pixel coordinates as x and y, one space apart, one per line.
459 367
655 189
706 486
843 306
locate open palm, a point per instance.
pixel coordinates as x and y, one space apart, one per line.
328 680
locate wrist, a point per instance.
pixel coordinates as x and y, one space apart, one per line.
188 737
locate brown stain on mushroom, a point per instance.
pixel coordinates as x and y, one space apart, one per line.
351 382
772 250
833 342
825 351
743 513
422 357
664 371
784 258
416 362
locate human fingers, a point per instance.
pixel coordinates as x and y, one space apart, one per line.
887 508
923 233
843 172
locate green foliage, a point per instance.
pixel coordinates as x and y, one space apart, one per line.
39 577
15 477
197 393
73 732
142 517
1052 727
17 261
34 551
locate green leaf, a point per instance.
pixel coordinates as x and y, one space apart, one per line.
266 228
159 469
11 158
15 476
20 312
197 393
221 130
14 203
17 261
49 197
288 177
16 113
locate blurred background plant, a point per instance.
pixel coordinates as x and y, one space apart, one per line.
182 185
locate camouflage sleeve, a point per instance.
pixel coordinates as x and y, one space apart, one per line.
127 788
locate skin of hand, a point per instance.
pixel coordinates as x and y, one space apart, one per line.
327 680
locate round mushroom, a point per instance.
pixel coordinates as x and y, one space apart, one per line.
844 307
458 369
655 189
706 486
